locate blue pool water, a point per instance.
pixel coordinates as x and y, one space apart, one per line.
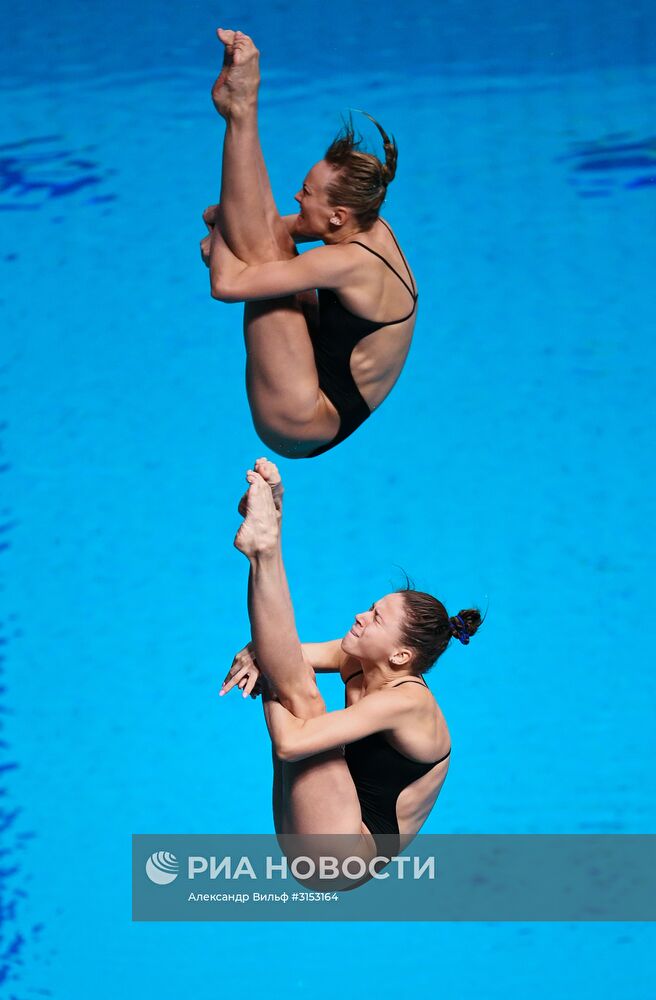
509 468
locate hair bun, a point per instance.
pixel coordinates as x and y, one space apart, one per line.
465 624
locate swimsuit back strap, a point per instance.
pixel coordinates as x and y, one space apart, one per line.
422 682
401 254
387 264
426 685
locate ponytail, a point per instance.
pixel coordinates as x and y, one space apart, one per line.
362 179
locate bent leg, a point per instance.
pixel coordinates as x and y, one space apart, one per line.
277 793
316 809
290 412
322 815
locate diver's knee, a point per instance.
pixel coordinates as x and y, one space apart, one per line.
302 411
304 700
276 243
285 244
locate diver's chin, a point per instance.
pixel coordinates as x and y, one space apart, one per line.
301 229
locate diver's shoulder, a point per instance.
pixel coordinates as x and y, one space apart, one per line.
349 667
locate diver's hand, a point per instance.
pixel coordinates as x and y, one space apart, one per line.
211 216
206 250
211 219
244 673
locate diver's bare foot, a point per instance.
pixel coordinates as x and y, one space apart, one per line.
221 93
270 475
237 84
258 534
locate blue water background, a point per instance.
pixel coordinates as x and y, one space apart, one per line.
511 468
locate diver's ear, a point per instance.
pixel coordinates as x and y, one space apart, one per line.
339 216
401 658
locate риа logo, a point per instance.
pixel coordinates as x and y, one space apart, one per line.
162 867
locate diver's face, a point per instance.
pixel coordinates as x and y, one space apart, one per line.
316 210
376 634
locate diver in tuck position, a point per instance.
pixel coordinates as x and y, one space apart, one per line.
373 769
318 362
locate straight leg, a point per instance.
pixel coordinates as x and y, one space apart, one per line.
290 412
275 639
319 797
250 220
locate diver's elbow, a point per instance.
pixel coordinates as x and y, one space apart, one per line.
222 291
285 750
219 291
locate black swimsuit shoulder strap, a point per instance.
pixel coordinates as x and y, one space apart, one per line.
350 678
411 681
434 762
401 254
410 288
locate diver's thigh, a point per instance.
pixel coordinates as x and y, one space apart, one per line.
320 797
281 373
323 820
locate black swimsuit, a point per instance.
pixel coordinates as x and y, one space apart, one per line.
380 772
338 332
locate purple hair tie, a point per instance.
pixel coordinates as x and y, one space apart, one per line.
461 633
